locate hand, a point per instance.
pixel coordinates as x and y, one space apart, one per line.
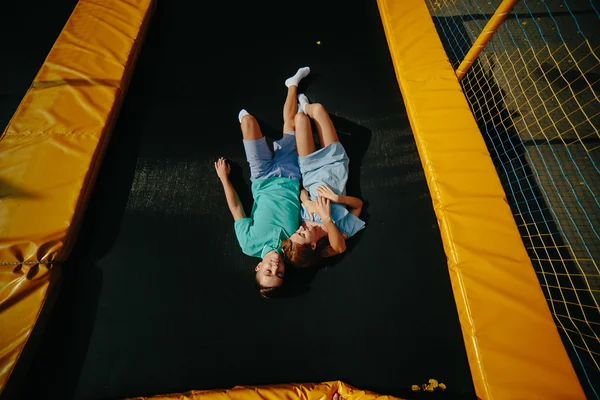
325 191
304 195
323 208
223 168
337 396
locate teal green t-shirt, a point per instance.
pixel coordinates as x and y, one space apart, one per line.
275 216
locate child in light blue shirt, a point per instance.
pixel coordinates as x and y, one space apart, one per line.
328 215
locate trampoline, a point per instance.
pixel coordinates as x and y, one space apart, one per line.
157 296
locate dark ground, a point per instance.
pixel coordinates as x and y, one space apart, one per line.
158 297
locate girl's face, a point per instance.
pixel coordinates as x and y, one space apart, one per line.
305 234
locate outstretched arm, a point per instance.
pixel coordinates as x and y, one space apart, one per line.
354 204
233 201
337 242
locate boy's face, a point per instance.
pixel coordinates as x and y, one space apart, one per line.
270 271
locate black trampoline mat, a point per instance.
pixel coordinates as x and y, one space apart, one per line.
158 297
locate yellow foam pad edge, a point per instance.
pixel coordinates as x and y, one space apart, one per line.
50 153
512 343
307 391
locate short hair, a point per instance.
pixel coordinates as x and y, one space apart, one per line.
268 292
303 255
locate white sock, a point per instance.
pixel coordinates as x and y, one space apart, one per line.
302 102
242 114
295 80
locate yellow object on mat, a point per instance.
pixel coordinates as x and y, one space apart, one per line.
512 343
50 153
306 391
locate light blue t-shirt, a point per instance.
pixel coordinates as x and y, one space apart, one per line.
274 216
346 223
329 166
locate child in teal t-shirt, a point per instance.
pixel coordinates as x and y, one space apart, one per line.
275 188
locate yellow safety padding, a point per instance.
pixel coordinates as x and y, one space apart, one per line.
512 343
305 391
50 153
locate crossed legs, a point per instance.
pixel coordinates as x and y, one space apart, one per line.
249 125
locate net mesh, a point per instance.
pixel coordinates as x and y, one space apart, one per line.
534 93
